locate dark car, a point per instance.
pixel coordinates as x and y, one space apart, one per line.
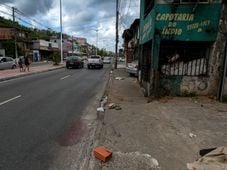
74 62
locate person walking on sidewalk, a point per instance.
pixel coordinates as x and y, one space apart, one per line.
27 63
20 62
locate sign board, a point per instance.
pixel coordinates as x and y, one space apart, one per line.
147 27
193 22
187 22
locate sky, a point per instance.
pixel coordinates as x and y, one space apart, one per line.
90 19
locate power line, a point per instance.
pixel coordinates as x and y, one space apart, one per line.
6 13
25 17
32 19
6 6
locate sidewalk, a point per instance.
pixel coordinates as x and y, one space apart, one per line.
162 134
34 68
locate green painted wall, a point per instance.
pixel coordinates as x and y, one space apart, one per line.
183 22
188 22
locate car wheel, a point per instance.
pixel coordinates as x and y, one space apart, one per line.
67 67
13 67
88 67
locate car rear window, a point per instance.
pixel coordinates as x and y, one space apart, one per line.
95 57
73 58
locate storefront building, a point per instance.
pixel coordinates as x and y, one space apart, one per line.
180 48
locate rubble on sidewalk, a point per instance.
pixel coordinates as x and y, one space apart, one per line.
135 161
119 78
102 153
114 106
100 109
214 160
192 135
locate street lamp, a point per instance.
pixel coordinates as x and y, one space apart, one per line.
96 41
61 31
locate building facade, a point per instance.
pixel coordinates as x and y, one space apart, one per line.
131 42
180 48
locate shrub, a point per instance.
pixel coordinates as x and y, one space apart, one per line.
56 58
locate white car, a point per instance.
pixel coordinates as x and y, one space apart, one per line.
95 61
7 63
107 60
121 59
132 68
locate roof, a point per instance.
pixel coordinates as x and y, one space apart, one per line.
127 34
135 23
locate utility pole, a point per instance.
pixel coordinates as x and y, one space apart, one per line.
116 46
61 31
15 34
96 42
72 46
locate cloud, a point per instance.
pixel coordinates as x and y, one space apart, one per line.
32 7
81 17
6 1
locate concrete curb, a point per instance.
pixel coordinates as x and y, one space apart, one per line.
92 163
28 74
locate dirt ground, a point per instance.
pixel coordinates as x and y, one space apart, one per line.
158 134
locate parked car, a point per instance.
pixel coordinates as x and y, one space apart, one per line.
107 60
74 62
132 68
120 59
95 61
7 63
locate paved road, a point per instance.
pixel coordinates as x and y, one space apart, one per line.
38 111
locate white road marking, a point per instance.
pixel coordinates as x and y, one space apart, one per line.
65 77
10 100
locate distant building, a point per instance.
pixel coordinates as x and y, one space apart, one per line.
131 42
9 34
42 49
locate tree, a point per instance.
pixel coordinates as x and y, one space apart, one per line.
56 57
102 52
9 47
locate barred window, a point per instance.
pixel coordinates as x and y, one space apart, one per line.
186 59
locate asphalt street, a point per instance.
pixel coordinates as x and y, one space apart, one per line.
37 112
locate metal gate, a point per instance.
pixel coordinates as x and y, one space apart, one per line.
184 58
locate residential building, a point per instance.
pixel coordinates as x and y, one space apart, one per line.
43 49
131 42
8 35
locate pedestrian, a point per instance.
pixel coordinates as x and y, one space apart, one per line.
27 63
20 62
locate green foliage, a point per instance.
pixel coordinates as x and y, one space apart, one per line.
34 33
9 47
102 52
56 57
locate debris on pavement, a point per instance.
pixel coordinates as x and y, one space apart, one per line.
100 109
214 160
111 105
192 135
119 78
103 101
203 152
102 153
135 161
114 106
117 108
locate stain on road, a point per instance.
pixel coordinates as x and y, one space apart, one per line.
73 134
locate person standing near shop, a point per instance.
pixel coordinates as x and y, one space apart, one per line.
20 62
26 63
